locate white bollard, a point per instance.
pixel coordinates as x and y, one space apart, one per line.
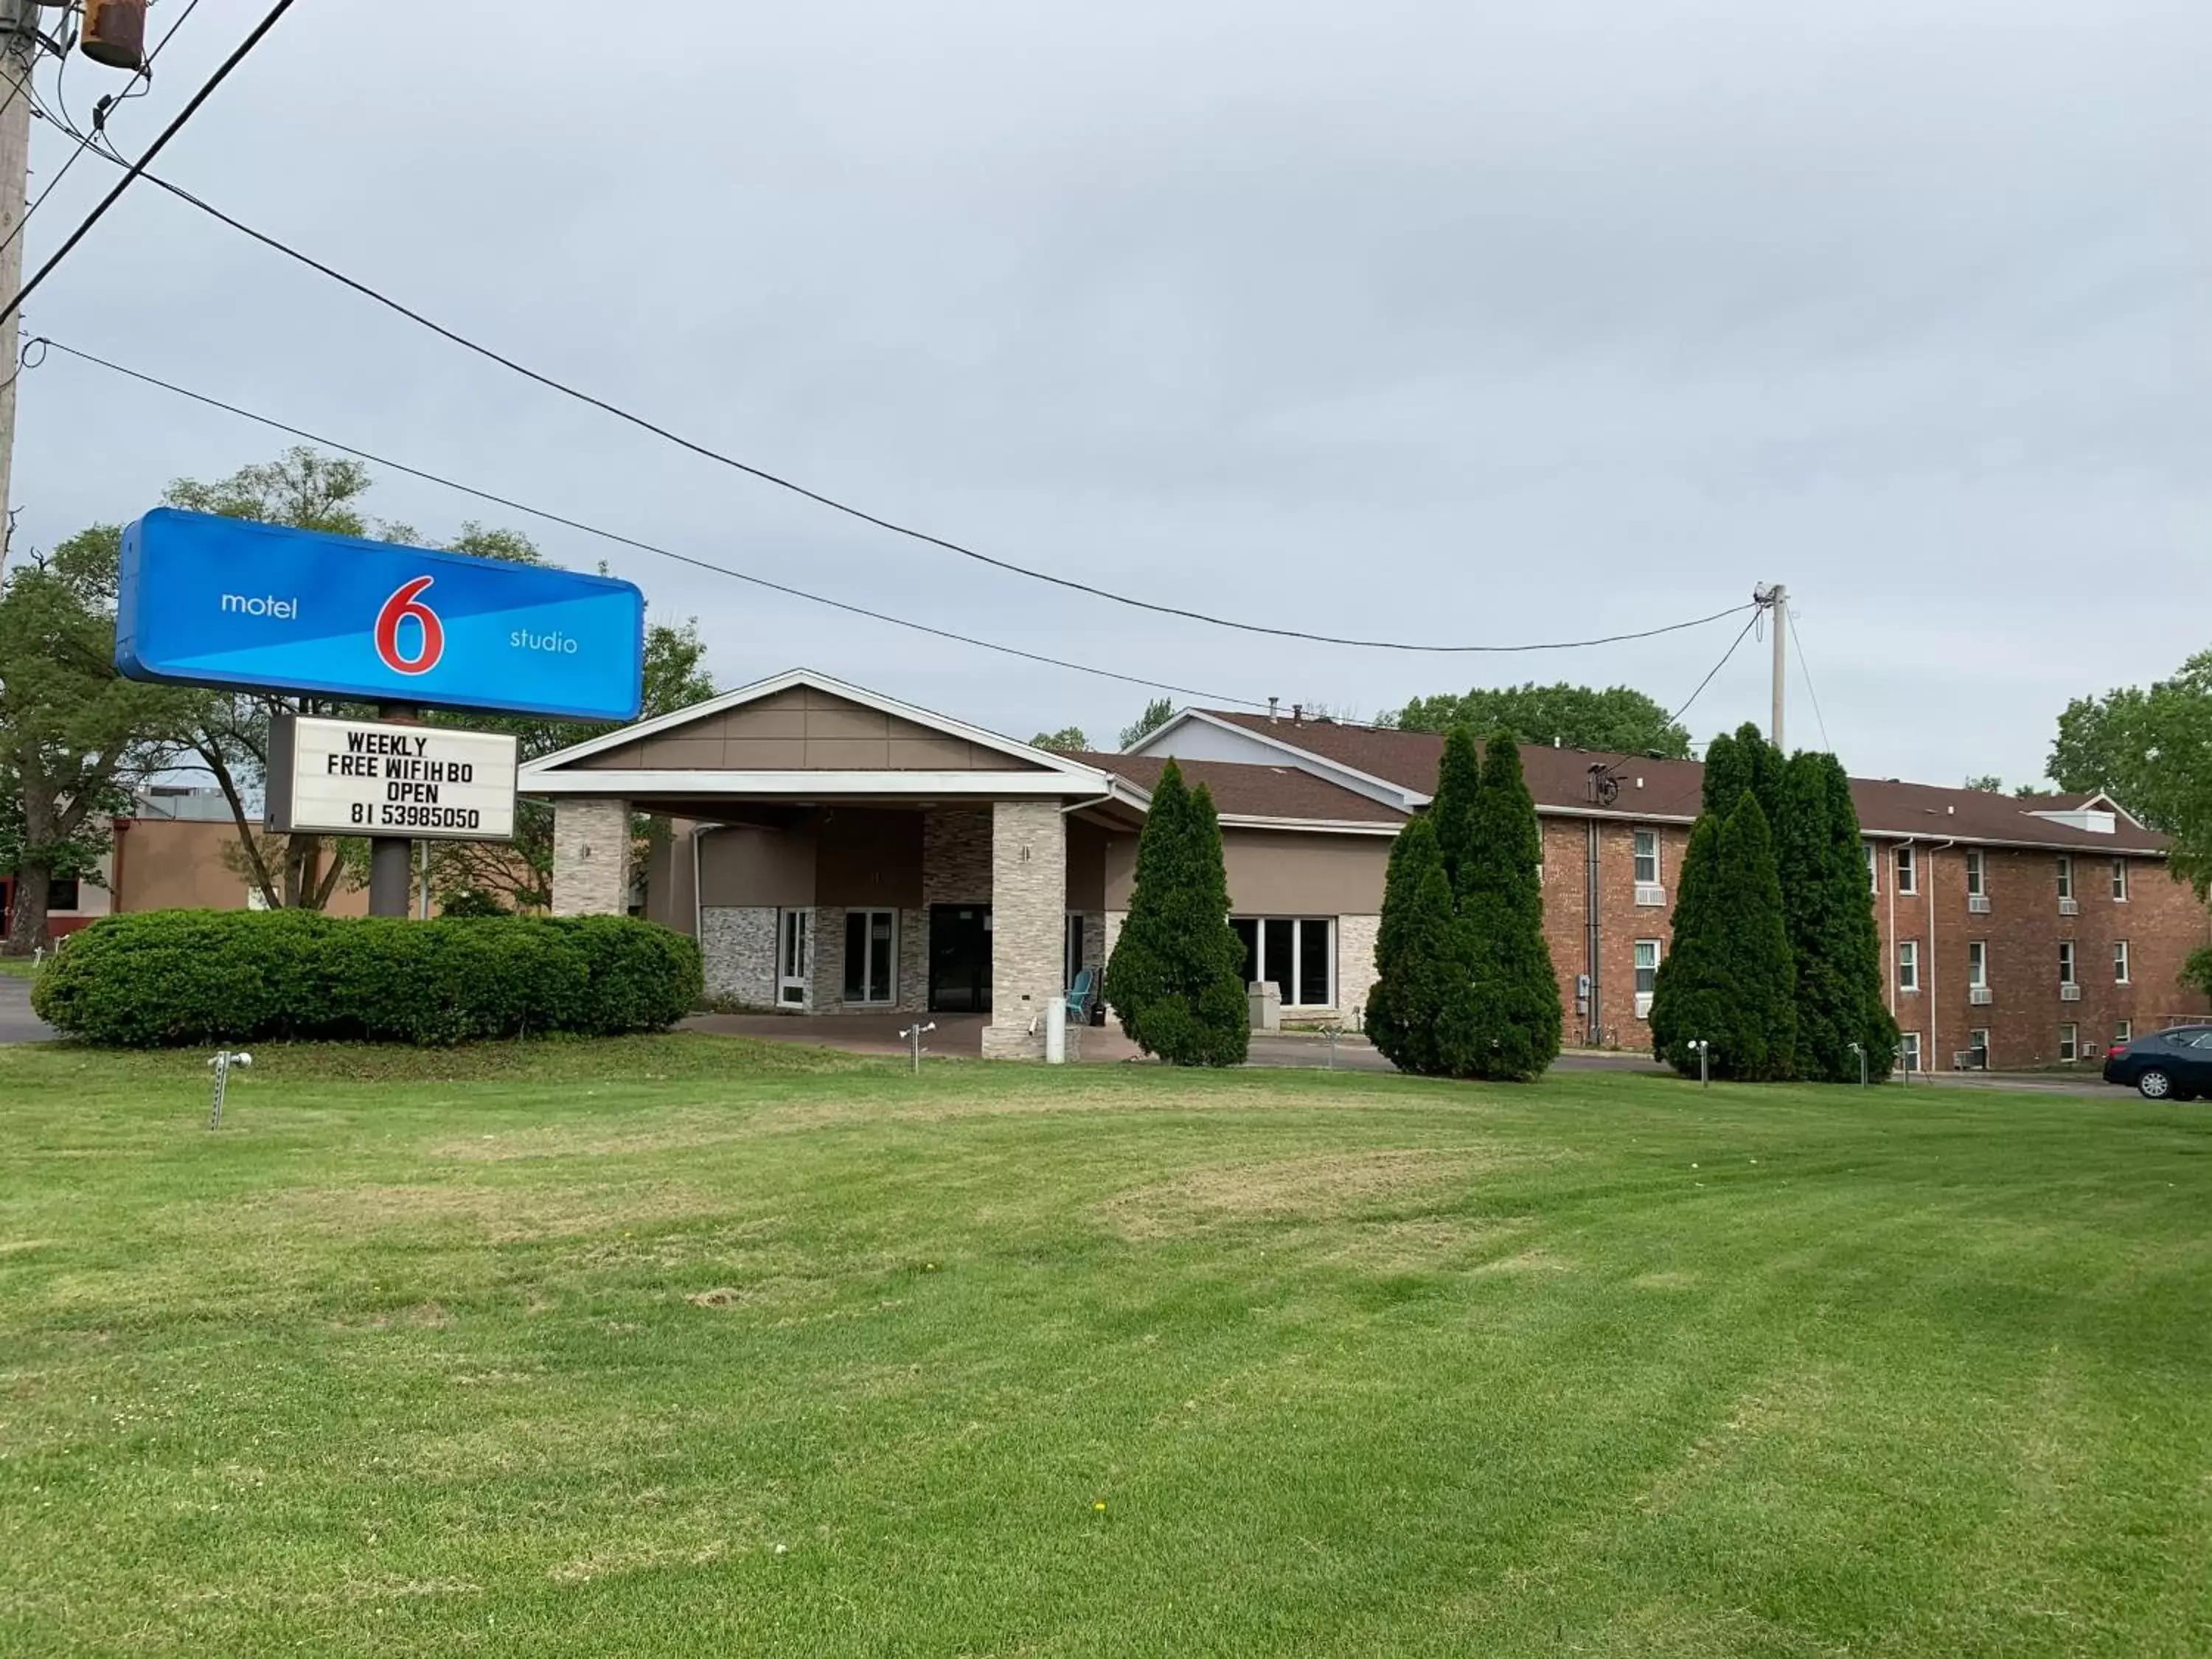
1056 1032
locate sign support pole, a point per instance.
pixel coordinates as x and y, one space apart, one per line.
391 858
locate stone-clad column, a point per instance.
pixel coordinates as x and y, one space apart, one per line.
591 858
1029 921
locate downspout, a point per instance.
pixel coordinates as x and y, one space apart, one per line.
1594 1028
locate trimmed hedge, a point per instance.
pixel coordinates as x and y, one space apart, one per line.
178 978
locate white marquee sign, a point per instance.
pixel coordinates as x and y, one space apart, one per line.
330 777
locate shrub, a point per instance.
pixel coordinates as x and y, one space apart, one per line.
191 977
1176 976
1501 1021
1420 954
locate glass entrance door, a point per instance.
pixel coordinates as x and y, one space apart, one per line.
960 958
794 958
871 957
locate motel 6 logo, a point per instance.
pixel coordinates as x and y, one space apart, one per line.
428 636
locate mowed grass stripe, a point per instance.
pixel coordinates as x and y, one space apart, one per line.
547 1349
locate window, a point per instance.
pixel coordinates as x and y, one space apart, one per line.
2119 962
1647 974
871 956
1977 963
1974 886
1072 950
2070 1041
1908 964
1647 858
794 958
1979 1038
1297 954
2066 875
63 895
2124 1032
2065 962
1873 880
1908 870
1908 1050
2119 881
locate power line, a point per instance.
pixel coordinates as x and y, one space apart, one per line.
1805 668
1675 719
621 540
874 519
191 109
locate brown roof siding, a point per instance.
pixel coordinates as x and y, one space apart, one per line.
1254 792
1559 780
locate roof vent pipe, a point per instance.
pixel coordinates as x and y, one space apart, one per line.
1273 703
1297 714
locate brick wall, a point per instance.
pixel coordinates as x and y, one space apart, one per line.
2160 918
1621 922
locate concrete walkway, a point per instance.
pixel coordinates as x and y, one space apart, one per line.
961 1035
17 1022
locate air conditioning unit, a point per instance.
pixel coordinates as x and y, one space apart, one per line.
1650 893
2069 994
2068 907
1978 903
1981 996
1643 1005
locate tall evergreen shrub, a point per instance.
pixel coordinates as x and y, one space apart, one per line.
1857 935
1753 931
1452 808
1502 1017
1417 952
1176 975
1691 999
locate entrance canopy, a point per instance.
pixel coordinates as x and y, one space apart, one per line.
837 849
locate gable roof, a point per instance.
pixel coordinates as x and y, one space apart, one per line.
1673 790
940 742
1244 793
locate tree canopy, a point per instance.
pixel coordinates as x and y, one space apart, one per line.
1158 713
73 735
2150 750
1617 720
1068 740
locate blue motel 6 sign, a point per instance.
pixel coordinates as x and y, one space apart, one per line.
229 602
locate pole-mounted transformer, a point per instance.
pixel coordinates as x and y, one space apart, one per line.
115 33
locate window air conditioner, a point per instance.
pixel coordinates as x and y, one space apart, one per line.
1981 996
1978 903
2068 907
2069 994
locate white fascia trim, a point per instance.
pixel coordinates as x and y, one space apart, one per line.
1612 815
819 682
1310 826
2157 853
1380 789
804 785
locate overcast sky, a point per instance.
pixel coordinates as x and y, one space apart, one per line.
1433 321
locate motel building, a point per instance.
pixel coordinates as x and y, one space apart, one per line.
836 852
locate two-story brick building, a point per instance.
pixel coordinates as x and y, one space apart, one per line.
833 849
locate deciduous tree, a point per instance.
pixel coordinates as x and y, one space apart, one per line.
73 734
2150 750
1615 721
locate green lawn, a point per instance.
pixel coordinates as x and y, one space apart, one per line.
17 968
682 1346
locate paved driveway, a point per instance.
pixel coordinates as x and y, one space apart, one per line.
17 1022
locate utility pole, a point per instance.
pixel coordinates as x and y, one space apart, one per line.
19 53
1776 602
